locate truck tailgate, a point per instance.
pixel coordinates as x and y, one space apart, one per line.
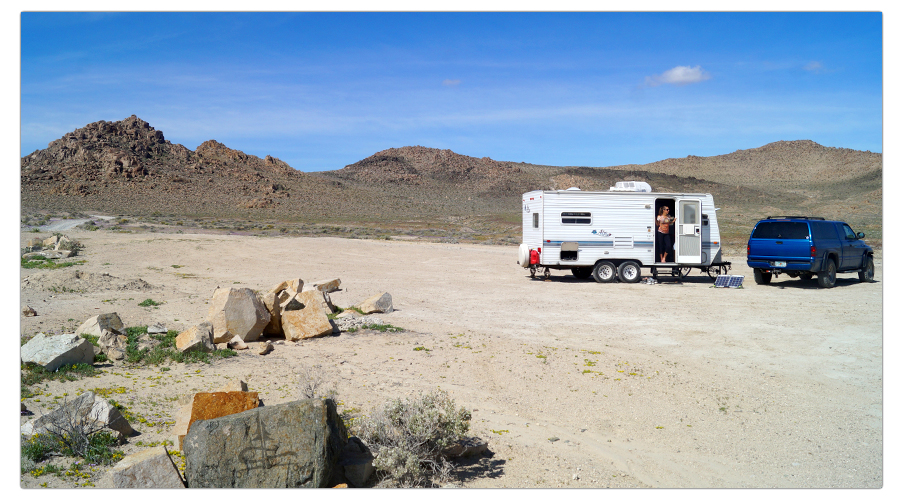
781 250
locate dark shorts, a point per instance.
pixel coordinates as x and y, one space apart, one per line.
663 244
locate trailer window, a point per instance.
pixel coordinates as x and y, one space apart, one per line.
576 217
536 219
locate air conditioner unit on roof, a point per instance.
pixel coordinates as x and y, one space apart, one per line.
638 186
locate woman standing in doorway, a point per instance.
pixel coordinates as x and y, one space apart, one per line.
663 242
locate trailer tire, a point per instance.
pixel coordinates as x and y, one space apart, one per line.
604 272
582 273
629 272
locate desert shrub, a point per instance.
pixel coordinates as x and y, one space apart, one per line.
73 432
41 262
34 374
313 382
408 438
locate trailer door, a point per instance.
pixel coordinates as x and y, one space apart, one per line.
688 228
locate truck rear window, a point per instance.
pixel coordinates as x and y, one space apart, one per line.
781 230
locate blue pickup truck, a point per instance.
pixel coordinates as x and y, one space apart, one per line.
808 247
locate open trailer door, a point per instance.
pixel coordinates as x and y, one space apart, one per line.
688 229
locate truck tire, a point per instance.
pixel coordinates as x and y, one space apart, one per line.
867 273
582 273
629 272
604 272
828 275
761 278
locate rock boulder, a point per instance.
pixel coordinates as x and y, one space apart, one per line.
381 303
290 445
150 468
237 312
305 316
97 324
52 352
196 338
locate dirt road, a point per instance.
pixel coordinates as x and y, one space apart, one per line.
575 383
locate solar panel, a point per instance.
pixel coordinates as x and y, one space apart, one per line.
729 281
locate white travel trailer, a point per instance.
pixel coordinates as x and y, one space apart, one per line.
611 234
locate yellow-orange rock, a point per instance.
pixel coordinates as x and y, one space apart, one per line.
306 316
209 405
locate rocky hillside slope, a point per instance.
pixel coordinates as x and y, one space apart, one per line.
128 167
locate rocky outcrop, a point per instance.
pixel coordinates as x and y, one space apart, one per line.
291 445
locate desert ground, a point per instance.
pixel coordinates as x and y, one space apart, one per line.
574 384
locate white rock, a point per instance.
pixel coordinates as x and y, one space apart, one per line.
52 352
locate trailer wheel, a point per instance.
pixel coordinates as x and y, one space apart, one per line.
547 273
604 272
713 272
629 272
582 273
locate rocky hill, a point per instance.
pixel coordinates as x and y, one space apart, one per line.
129 168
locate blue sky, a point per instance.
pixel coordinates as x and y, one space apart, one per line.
323 90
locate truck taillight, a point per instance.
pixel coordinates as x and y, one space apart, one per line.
748 250
812 251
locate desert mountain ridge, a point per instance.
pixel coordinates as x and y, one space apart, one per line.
128 167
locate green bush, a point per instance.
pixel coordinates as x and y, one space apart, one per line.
33 374
408 437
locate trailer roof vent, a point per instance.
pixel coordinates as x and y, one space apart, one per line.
573 188
637 186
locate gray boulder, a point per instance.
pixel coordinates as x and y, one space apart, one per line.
355 466
89 411
290 445
52 352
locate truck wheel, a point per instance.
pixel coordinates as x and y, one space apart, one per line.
604 272
827 277
761 278
867 274
629 272
582 273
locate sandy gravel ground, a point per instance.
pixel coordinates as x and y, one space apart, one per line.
574 383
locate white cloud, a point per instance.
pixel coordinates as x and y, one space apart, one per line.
814 66
451 83
679 75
